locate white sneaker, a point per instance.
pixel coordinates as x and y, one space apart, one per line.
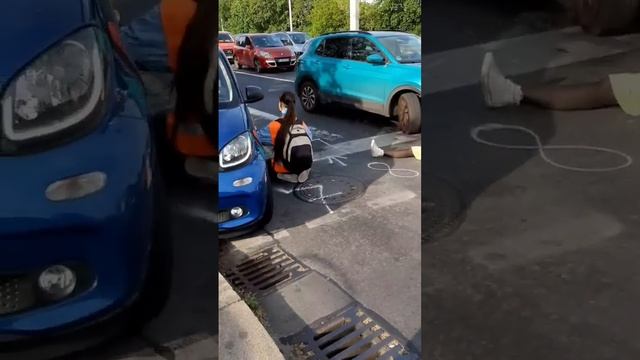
498 91
375 150
304 176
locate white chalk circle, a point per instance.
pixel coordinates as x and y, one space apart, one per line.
401 173
628 160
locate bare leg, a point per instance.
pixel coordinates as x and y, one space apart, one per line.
499 91
571 97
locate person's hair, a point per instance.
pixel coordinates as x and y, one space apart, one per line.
289 100
195 53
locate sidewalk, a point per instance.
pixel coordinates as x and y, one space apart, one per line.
242 336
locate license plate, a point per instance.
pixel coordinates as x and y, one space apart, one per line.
283 60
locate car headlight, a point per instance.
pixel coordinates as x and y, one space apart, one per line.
57 91
236 152
265 54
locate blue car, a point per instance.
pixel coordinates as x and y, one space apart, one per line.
245 200
83 229
376 71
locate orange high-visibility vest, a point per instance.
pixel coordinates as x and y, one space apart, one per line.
188 138
176 15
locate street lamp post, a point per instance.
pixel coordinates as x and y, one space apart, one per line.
290 18
354 15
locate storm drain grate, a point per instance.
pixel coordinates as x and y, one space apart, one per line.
264 271
351 333
442 209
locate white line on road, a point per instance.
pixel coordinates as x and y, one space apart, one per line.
335 152
265 77
359 145
451 69
391 199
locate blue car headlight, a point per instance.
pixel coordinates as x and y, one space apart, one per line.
58 91
236 152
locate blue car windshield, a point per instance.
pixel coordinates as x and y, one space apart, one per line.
226 90
266 41
406 49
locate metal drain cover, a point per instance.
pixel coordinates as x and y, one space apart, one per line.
329 190
442 208
351 333
262 272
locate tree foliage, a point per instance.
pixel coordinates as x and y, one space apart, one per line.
318 16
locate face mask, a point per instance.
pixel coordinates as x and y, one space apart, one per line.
283 111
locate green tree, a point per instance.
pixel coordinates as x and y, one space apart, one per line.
247 16
399 15
368 16
328 16
301 10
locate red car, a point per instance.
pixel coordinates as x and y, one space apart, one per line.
261 52
225 43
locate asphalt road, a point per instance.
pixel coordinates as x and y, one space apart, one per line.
368 245
535 261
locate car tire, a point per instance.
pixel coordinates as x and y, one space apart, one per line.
256 64
156 288
409 113
309 96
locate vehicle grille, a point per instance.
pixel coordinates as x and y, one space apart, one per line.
223 216
228 52
284 61
17 293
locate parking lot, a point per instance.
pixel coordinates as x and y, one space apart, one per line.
525 259
361 230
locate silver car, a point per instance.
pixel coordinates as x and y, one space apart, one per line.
294 40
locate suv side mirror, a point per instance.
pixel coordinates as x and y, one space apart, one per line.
375 59
253 94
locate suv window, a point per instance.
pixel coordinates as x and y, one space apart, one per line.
240 41
247 41
335 47
361 48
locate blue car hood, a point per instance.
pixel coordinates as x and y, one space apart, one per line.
28 27
232 122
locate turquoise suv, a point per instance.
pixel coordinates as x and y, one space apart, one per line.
376 71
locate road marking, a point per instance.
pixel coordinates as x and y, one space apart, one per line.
335 152
391 199
359 145
455 68
263 114
265 77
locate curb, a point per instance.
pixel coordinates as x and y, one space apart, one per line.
241 335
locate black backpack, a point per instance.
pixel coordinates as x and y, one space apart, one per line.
297 152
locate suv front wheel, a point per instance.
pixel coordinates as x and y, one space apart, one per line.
409 113
309 96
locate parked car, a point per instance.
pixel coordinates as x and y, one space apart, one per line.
226 44
294 40
261 52
377 71
244 190
83 222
